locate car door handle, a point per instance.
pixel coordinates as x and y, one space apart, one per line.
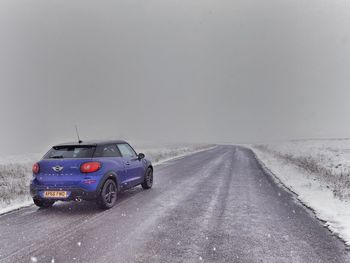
127 163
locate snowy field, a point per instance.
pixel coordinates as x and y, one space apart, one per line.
318 171
16 171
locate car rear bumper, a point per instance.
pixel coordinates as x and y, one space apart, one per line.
73 193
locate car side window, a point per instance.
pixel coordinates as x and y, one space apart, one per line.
126 150
110 150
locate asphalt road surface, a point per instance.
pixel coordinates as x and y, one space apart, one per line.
214 206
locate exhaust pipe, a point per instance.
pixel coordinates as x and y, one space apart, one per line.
78 199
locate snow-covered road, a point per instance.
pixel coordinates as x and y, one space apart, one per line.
213 206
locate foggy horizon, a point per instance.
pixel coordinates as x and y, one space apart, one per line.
167 72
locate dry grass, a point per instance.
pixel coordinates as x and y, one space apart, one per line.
336 177
14 181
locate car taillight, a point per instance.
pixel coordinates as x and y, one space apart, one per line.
36 168
90 167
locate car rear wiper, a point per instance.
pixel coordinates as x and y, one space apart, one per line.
57 157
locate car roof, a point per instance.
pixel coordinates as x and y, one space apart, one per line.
90 142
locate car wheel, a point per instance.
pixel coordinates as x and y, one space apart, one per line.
108 195
148 181
43 203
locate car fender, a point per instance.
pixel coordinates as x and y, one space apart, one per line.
108 175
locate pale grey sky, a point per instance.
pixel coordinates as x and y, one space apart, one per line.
166 70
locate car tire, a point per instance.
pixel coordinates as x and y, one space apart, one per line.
43 203
108 195
148 180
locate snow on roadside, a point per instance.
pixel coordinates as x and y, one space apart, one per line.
311 189
15 171
161 155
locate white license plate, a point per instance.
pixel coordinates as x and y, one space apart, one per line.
55 194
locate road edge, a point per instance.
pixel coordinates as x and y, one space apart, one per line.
296 197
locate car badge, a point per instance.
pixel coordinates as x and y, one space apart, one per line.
57 168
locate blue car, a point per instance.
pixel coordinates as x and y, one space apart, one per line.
93 171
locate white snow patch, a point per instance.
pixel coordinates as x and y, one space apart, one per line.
321 190
6 207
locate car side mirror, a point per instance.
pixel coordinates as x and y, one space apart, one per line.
140 156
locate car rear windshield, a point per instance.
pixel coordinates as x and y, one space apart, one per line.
73 151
